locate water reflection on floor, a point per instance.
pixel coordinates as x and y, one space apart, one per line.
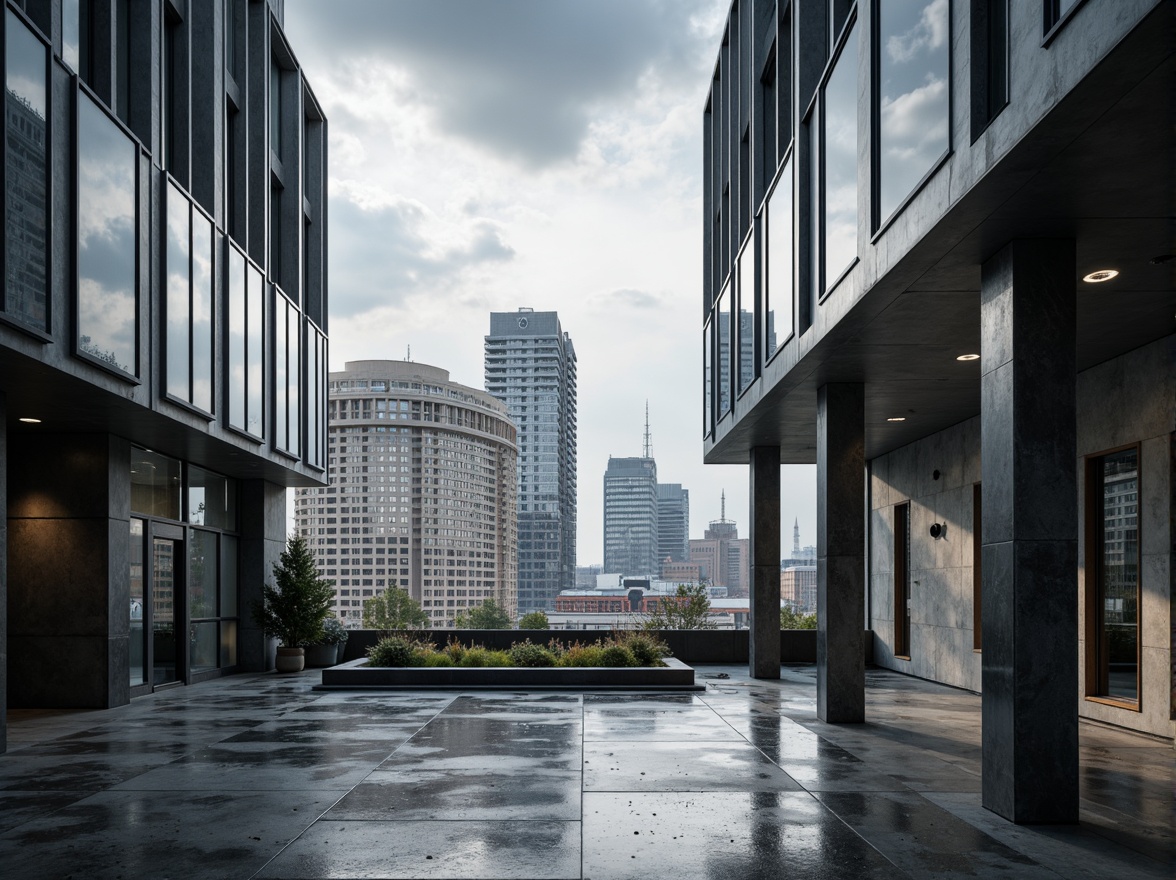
260 776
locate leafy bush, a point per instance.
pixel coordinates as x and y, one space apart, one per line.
790 619
333 632
478 656
454 650
392 651
488 615
393 610
617 655
527 654
646 648
534 620
582 655
434 660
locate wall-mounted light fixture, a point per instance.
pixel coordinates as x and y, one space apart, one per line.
938 530
968 357
1100 275
29 421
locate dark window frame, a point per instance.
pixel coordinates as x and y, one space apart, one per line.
1053 19
902 581
1095 677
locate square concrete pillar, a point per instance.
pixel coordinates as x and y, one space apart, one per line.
67 570
764 651
262 512
1029 547
841 552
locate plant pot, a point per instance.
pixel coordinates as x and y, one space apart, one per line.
342 646
290 660
321 656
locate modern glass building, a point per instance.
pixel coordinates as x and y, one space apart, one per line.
952 226
421 494
162 339
530 366
631 517
673 523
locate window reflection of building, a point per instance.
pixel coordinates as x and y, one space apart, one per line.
1116 642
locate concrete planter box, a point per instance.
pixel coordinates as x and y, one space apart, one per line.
675 675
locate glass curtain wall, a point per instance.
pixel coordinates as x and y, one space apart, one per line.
912 90
26 191
840 148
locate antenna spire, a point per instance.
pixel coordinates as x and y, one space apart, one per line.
796 537
723 507
648 446
408 356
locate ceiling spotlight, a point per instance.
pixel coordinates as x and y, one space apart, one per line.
29 421
968 357
897 419
1100 275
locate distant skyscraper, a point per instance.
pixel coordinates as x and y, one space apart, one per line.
630 517
722 554
673 523
531 367
423 484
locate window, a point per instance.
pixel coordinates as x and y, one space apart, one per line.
212 499
839 143
107 257
746 272
722 359
1112 576
287 371
911 98
707 378
990 62
189 302
71 28
1054 14
977 580
246 372
777 271
26 191
155 484
902 581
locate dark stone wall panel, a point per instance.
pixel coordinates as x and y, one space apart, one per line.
59 576
60 672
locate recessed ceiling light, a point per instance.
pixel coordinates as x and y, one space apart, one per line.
968 357
897 419
29 421
1100 275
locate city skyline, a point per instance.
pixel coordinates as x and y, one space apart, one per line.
566 180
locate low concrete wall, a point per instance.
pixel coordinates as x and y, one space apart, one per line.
356 674
689 645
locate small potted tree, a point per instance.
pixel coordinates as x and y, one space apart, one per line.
293 611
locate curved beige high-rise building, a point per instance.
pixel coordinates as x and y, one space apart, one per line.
422 492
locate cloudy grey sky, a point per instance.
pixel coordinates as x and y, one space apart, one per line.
544 153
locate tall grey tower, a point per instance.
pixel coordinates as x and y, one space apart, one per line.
531 367
630 517
673 523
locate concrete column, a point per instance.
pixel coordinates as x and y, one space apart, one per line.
764 651
262 512
3 574
841 549
68 570
1029 553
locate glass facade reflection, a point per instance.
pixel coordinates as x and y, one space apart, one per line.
203 367
255 352
840 143
747 364
138 643
26 193
777 271
723 351
912 95
287 372
202 574
178 294
107 258
1118 574
708 380
237 309
155 484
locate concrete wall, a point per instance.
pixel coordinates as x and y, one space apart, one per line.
941 568
68 527
3 574
1130 399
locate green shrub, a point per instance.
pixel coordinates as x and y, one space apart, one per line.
617 655
435 660
527 654
392 651
582 655
454 650
647 649
478 656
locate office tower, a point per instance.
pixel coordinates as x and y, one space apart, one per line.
673 523
722 556
630 517
841 199
421 494
162 340
530 366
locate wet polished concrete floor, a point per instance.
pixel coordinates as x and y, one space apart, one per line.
259 776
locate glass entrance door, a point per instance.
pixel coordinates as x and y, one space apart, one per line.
166 560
